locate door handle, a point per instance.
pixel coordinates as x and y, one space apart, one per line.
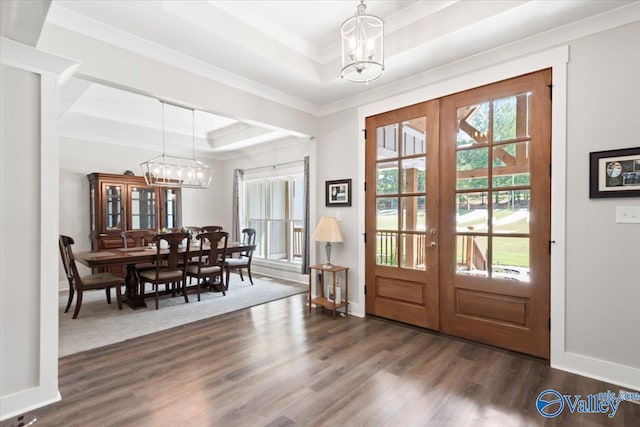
432 245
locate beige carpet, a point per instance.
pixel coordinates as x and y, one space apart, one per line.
101 324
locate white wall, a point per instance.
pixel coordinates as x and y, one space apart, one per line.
20 229
81 157
337 158
28 227
603 280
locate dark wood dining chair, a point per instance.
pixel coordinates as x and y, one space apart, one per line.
212 228
170 271
80 284
244 260
139 239
213 251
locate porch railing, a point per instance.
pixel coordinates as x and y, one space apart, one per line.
278 239
412 249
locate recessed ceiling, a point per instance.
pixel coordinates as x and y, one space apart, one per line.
94 111
284 51
292 47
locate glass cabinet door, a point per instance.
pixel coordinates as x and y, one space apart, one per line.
113 206
171 208
92 207
143 207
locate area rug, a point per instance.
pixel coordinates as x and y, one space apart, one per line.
101 324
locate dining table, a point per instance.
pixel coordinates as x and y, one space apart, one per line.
140 255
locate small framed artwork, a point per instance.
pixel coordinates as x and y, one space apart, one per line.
338 193
615 173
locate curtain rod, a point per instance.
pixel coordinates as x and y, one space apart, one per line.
274 166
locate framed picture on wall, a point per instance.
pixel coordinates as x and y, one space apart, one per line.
614 173
338 193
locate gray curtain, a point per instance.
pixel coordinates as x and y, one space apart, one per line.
236 204
305 226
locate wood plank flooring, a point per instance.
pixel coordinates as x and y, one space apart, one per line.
278 365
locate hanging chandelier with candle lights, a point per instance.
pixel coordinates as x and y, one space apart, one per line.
168 170
362 46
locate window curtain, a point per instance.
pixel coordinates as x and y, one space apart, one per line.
237 205
305 226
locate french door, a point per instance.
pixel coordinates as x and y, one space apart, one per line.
471 257
401 218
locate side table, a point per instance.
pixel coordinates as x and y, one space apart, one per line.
320 299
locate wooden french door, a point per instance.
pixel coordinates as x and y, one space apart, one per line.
402 215
480 261
495 261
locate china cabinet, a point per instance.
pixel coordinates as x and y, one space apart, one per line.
125 202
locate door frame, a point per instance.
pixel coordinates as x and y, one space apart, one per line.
556 59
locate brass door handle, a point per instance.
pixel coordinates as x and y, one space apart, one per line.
432 245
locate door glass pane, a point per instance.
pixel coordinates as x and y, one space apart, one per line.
472 255
387 213
511 164
387 138
471 168
413 213
113 205
387 178
412 247
511 117
171 208
413 175
511 211
143 208
511 258
386 248
414 137
471 212
92 209
473 125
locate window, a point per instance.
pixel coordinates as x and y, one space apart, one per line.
274 206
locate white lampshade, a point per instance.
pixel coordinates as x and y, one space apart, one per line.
327 230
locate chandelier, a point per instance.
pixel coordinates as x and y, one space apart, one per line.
177 171
362 46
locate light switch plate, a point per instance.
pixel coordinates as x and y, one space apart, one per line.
628 214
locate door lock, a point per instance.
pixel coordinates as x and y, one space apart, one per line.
432 245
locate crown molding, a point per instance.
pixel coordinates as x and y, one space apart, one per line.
73 21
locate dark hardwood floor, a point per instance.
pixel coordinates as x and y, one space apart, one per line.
278 365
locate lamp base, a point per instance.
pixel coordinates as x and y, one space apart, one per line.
328 263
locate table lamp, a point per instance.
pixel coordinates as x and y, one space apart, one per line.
328 231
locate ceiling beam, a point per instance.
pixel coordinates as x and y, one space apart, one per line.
22 21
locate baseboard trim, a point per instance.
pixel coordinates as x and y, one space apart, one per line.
598 369
14 405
